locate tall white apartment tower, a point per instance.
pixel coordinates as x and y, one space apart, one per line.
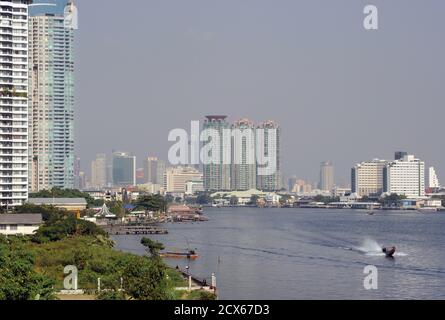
405 176
433 181
13 102
51 109
272 138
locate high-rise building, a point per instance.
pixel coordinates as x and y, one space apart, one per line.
99 171
124 169
367 178
13 102
217 174
176 178
433 181
244 165
398 155
51 108
405 176
272 136
76 173
154 170
326 176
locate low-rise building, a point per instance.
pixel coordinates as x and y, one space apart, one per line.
69 204
20 224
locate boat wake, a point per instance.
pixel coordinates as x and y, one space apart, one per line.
370 247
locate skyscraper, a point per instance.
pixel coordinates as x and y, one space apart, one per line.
326 176
272 137
433 181
244 165
217 175
99 171
76 173
14 102
367 178
154 170
405 176
51 109
124 169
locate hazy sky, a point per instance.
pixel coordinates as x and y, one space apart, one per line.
339 92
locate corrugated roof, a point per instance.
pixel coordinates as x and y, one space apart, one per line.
58 201
21 218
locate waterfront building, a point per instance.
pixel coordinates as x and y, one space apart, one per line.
51 108
326 176
217 174
301 187
176 178
154 170
272 140
405 176
99 171
13 102
20 224
193 187
433 181
367 178
244 165
124 169
69 204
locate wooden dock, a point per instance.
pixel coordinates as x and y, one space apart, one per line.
133 230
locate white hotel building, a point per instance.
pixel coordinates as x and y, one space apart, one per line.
405 176
13 102
367 178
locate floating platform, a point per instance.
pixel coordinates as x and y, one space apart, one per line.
133 230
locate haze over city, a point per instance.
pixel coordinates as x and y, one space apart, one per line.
338 92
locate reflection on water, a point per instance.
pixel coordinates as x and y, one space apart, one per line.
311 254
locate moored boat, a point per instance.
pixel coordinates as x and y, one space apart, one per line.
191 255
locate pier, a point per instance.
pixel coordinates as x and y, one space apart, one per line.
133 230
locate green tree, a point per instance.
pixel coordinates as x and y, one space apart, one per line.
18 279
146 279
154 202
153 247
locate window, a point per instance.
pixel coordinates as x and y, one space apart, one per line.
13 227
2 227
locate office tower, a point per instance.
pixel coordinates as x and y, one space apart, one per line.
99 171
400 154
140 176
124 169
82 180
326 176
217 174
405 176
154 170
271 181
51 108
176 178
367 178
433 181
244 165
14 102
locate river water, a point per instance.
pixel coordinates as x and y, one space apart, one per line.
311 253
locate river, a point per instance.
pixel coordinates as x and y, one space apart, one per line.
311 253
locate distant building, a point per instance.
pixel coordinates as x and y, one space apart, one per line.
244 169
176 178
154 170
193 187
367 178
20 224
217 175
326 176
69 204
77 170
99 171
405 176
400 155
272 181
433 181
124 169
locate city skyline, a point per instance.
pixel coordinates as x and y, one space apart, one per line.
188 64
